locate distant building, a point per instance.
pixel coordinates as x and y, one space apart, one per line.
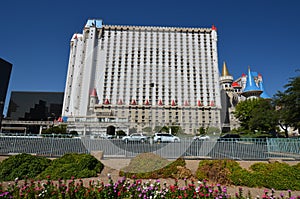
248 86
5 71
35 106
144 76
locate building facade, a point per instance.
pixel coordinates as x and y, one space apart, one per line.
35 106
142 76
5 71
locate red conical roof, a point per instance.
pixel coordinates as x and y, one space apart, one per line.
94 93
147 102
186 103
173 103
235 84
133 102
120 102
106 101
160 102
199 103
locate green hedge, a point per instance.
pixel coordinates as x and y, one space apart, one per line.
75 165
280 176
22 166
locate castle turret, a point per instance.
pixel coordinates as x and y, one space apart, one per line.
226 79
93 99
251 90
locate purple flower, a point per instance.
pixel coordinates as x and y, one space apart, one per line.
4 193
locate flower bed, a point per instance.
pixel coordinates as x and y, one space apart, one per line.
123 188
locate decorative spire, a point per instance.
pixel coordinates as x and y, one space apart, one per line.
186 103
173 103
147 102
160 102
213 27
264 94
133 102
106 101
120 102
225 70
199 103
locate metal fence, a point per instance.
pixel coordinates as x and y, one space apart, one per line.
242 149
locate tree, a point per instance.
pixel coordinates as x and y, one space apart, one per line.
157 129
175 130
147 129
263 117
132 130
288 105
120 133
243 112
201 130
257 115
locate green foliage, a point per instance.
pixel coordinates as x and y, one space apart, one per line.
22 166
164 129
288 104
157 129
276 175
201 130
256 115
59 129
217 170
175 130
147 129
132 130
73 165
120 133
211 130
141 167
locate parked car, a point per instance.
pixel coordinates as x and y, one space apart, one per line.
165 137
229 137
135 137
201 137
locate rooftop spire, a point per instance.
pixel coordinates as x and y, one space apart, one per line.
225 70
264 94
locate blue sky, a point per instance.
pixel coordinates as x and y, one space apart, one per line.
262 34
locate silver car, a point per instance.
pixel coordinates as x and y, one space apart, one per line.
135 137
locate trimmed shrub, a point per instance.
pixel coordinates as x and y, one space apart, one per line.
276 175
73 165
217 170
22 166
151 166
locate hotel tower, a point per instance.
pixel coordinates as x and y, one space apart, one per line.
126 77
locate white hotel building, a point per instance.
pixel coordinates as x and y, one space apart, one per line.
142 76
